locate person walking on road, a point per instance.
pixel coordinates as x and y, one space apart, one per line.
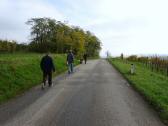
85 57
47 66
70 61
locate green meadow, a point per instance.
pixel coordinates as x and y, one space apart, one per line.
20 72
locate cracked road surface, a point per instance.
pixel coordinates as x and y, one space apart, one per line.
94 95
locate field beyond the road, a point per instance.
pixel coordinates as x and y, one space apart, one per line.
20 72
153 86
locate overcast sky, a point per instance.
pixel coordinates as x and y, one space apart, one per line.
123 26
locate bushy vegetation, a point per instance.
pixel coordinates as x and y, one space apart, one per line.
7 46
19 72
12 46
152 85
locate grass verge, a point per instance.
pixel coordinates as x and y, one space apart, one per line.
153 86
20 72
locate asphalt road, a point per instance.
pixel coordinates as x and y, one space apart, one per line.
94 95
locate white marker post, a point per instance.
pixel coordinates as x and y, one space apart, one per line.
132 68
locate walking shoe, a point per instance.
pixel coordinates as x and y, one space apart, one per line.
42 87
50 85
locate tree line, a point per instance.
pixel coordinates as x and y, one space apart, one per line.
55 36
49 35
11 46
7 46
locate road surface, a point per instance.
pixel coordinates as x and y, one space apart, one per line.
94 95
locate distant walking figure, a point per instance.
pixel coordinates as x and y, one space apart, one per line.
70 61
47 66
85 57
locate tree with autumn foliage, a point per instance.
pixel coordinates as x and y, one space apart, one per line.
57 37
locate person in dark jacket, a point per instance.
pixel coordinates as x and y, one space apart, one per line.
85 57
70 61
47 66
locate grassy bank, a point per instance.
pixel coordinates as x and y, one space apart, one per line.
20 72
153 86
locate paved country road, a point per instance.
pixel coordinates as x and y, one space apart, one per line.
95 95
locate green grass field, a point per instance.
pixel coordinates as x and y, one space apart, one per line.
20 72
153 86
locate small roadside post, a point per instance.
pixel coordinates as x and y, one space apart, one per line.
132 68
